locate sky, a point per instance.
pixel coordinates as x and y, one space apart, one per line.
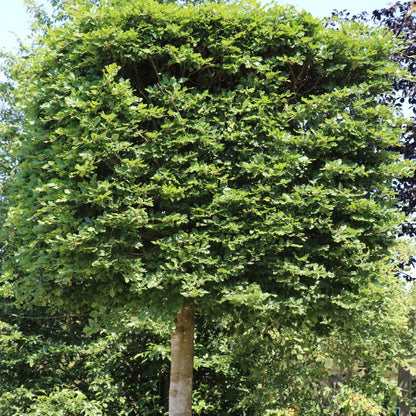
323 8
13 18
15 22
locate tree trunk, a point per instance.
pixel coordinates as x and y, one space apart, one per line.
182 363
405 383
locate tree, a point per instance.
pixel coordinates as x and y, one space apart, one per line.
218 159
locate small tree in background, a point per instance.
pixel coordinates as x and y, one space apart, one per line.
218 159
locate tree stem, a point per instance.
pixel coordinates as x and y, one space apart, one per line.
182 361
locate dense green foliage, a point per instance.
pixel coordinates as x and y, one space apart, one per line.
51 366
229 157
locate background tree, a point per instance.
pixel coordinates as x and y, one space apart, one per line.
219 158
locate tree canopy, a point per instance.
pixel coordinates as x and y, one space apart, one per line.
206 154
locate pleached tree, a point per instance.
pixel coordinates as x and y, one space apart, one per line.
182 159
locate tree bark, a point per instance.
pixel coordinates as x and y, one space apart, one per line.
182 363
405 384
